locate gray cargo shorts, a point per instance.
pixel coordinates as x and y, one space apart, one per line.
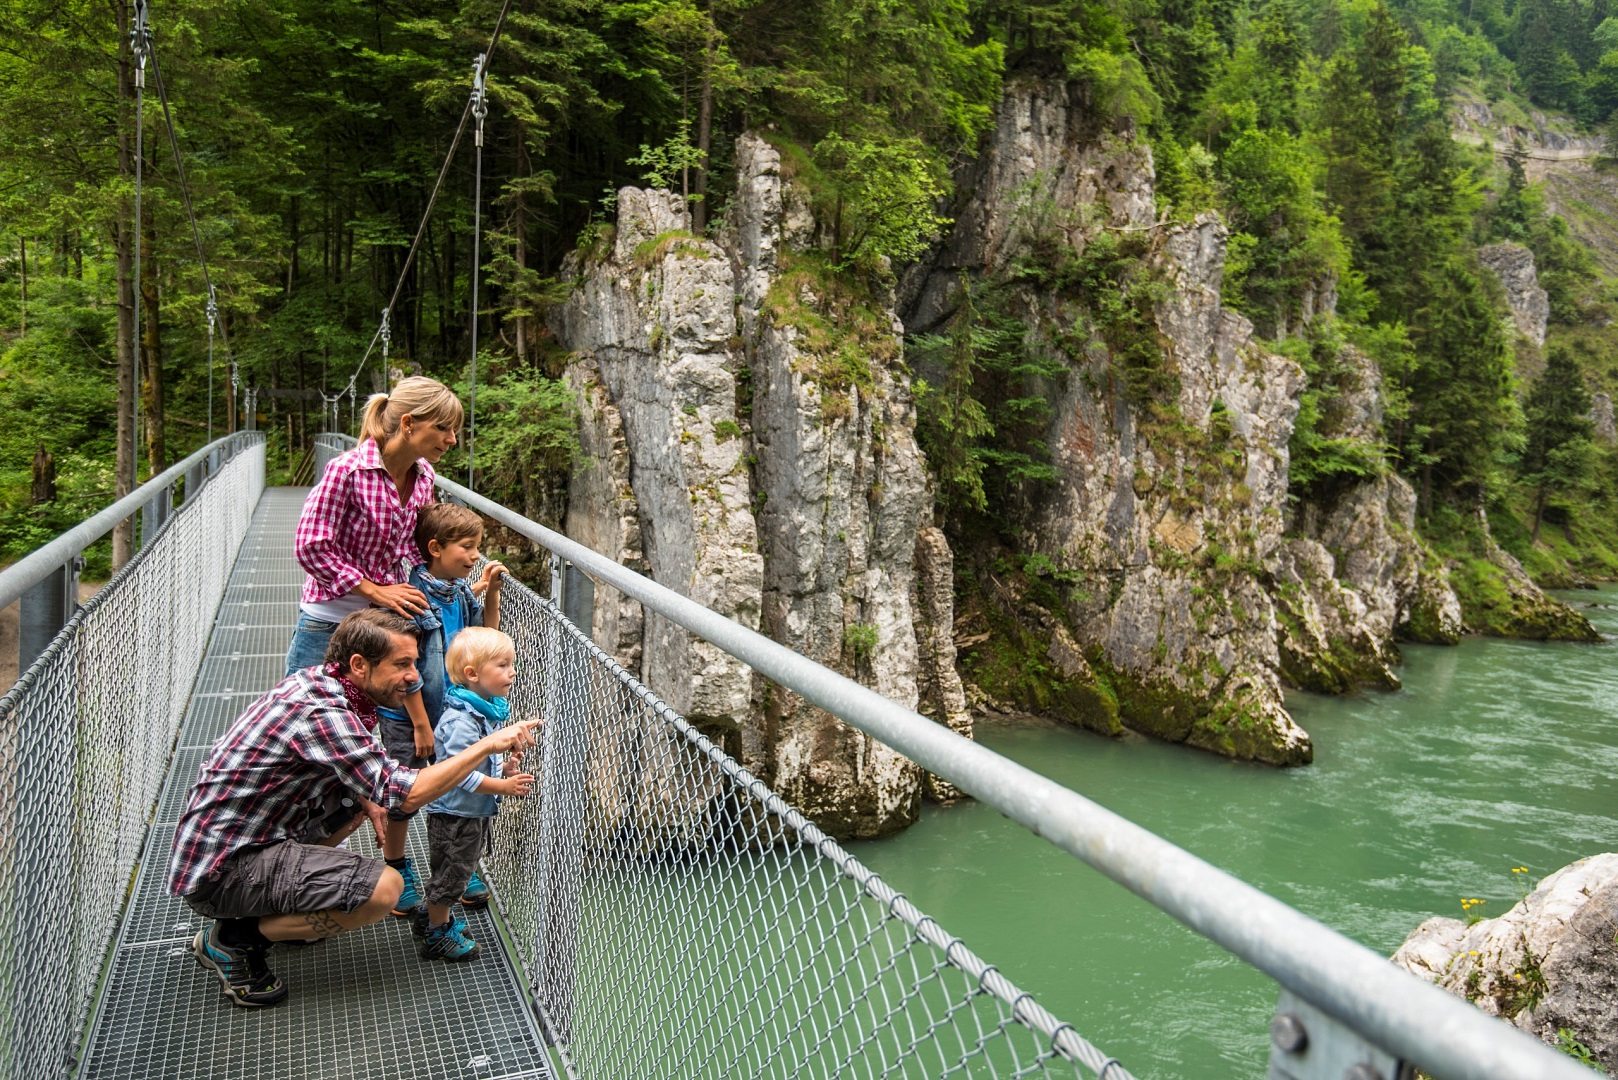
288 878
454 845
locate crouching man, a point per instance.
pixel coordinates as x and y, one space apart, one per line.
298 771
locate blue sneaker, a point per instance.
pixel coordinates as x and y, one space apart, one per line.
247 979
449 942
477 892
410 898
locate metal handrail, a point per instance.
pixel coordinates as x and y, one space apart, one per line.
1390 1008
46 578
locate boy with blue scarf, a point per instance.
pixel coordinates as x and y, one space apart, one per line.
448 537
481 665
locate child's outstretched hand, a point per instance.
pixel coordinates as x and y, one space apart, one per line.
512 765
519 785
493 574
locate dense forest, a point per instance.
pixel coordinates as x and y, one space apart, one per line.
310 137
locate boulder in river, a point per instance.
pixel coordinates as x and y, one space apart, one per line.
1549 965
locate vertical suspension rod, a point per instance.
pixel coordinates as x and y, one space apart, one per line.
140 39
480 109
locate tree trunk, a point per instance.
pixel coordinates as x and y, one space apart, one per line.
123 239
44 489
22 244
1539 514
151 351
519 244
297 242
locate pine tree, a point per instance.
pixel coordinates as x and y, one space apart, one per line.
1557 458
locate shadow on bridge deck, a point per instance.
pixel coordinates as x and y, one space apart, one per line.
362 1005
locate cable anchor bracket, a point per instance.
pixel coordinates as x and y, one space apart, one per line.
480 93
140 42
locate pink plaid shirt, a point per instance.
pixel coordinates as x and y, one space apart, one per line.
353 529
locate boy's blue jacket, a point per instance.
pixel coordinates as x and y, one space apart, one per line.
463 723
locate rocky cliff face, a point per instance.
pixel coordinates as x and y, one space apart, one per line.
768 469
1530 307
1548 965
1201 587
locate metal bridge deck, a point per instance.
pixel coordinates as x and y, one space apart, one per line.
361 1005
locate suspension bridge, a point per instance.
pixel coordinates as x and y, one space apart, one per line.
658 910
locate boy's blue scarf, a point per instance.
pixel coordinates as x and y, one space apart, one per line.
496 709
444 592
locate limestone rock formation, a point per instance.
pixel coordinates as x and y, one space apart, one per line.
1530 306
1351 575
843 498
772 478
1169 524
1549 965
654 326
1601 418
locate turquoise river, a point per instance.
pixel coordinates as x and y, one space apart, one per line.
1495 754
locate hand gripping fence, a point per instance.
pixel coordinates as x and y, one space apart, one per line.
86 734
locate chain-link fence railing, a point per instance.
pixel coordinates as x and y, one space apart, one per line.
85 739
676 918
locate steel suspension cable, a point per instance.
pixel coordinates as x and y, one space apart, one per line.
432 202
140 44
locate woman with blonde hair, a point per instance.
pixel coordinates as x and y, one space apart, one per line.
356 542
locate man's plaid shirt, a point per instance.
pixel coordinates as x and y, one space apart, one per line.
353 528
279 772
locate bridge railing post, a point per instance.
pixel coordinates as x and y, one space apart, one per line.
45 609
154 514
193 481
1309 1044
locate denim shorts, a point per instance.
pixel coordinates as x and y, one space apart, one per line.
288 878
399 740
309 640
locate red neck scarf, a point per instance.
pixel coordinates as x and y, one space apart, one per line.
359 702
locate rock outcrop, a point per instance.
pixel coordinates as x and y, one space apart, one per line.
1530 306
1351 575
1541 142
654 327
1194 599
1601 418
767 468
1549 965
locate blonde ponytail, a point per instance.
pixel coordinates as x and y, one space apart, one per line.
371 424
428 400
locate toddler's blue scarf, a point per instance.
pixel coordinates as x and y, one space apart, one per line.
495 709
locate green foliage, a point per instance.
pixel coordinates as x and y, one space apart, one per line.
671 162
983 405
527 437
1558 457
1284 245
881 196
859 644
1114 281
1569 1044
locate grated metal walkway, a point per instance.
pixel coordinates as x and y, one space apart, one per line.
362 1005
